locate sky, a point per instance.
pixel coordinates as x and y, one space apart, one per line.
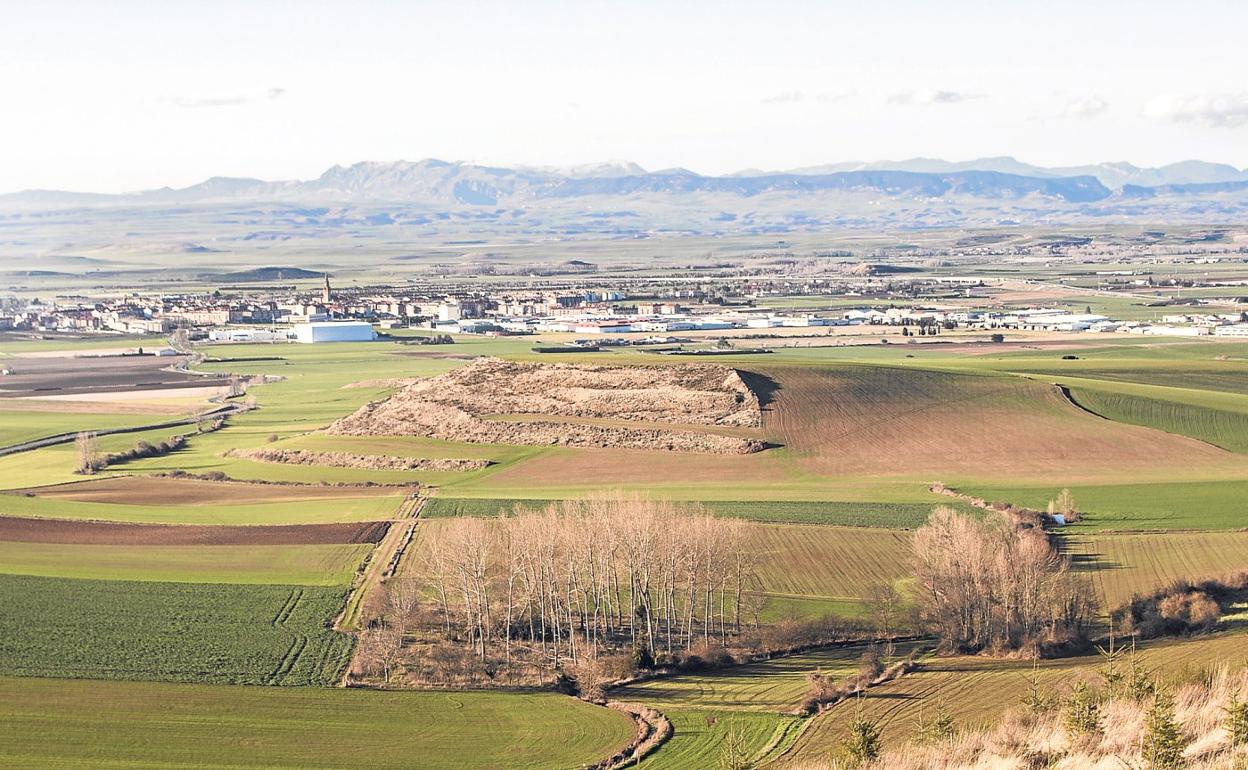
132 94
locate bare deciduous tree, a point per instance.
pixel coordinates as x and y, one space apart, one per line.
994 584
584 577
90 460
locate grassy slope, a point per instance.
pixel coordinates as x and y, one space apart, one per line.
310 565
141 726
750 701
976 690
246 634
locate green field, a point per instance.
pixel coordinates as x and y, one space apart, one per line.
19 425
322 511
1226 429
1207 504
308 565
86 725
831 512
182 632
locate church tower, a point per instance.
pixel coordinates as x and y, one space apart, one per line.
325 292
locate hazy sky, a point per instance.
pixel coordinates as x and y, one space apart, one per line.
126 94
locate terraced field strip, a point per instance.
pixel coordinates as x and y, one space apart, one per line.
749 702
170 490
846 513
1125 564
774 686
227 511
976 689
312 565
828 563
99 724
22 530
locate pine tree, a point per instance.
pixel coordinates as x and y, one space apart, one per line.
1237 721
863 743
939 730
1083 713
1037 700
1163 740
733 755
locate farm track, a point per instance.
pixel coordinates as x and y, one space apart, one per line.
380 565
64 438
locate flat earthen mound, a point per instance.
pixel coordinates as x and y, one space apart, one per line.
348 460
21 530
460 405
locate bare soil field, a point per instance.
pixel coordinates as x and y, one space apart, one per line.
69 376
165 490
456 406
887 421
348 460
19 530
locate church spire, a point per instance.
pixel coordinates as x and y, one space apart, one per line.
326 295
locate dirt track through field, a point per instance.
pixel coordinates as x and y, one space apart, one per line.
21 530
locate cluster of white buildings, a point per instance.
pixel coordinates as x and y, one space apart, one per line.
314 331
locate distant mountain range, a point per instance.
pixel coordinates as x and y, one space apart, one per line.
623 198
441 183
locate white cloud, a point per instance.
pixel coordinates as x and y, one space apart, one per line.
785 97
926 96
228 100
1216 110
1084 108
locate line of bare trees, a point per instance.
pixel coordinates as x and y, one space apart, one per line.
586 576
999 584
